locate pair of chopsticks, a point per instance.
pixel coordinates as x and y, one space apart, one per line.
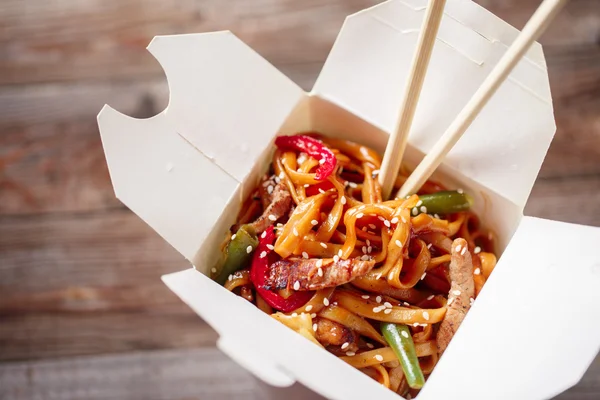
397 141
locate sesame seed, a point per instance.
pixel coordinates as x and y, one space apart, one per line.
270 189
336 258
294 314
379 357
404 333
398 243
343 200
365 296
415 211
296 285
379 217
450 300
319 263
370 345
387 311
263 254
403 219
335 303
323 245
429 245
345 345
419 203
388 304
352 185
460 191
456 292
308 308
234 235
430 297
281 175
378 299
423 276
416 324
230 277
426 315
369 249
376 309
477 250
313 315
368 242
364 249
321 191
213 270
477 271
325 301
277 179
249 249
436 216
340 253
315 327
279 225
387 223
270 247
423 209
306 185
295 231
394 220
364 229
322 161
320 271
406 304
304 254
359 215
365 257
272 218
314 222
350 353
464 250
457 248
372 226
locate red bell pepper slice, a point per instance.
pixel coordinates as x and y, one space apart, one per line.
314 148
259 270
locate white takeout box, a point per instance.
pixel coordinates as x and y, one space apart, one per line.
532 332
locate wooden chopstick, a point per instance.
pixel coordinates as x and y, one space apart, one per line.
397 141
532 30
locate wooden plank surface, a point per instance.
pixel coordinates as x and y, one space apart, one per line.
79 274
167 374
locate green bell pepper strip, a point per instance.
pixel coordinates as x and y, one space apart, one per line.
400 340
236 253
446 202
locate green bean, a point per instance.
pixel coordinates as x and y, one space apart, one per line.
400 340
237 255
446 202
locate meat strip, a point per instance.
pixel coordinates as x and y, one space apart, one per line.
314 274
462 290
280 204
330 333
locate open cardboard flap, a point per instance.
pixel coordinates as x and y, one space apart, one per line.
186 171
504 147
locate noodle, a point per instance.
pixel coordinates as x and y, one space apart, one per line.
373 262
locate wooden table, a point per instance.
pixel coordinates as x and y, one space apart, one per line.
83 314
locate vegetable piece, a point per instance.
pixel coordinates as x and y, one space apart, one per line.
446 202
263 256
314 148
236 254
400 340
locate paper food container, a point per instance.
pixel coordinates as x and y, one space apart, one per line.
533 330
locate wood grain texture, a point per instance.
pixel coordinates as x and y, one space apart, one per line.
169 374
157 375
